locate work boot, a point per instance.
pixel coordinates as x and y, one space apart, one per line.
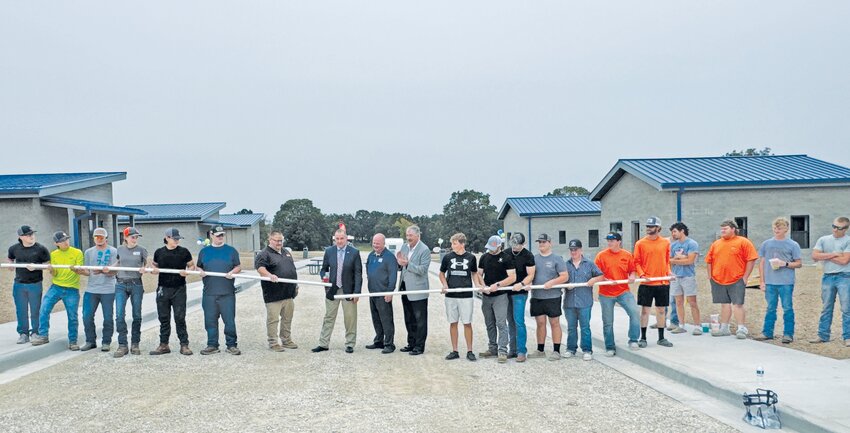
209 350
134 349
184 350
88 346
120 352
162 349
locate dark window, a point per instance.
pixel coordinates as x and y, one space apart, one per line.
616 227
742 225
509 236
562 237
800 230
635 232
592 238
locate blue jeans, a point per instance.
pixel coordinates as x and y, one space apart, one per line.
627 301
27 298
223 306
71 299
134 291
578 317
773 293
518 314
832 284
90 302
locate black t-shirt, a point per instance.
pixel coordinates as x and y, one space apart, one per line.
522 261
459 270
37 254
177 258
496 268
282 265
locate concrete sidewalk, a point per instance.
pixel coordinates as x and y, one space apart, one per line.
813 390
17 360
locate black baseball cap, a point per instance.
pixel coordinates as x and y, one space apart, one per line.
614 236
575 244
25 231
543 237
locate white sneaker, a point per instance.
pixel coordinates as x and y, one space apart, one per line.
23 338
741 334
610 353
634 345
568 354
587 356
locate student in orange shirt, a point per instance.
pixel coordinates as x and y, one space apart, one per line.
730 261
617 264
652 260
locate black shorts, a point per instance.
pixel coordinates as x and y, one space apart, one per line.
546 307
659 294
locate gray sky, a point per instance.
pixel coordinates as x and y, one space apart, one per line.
392 106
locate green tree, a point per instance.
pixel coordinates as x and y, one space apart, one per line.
569 190
302 224
245 212
750 152
470 212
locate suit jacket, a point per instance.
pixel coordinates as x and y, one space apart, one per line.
352 271
414 276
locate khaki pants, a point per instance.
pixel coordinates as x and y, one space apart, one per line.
349 314
279 315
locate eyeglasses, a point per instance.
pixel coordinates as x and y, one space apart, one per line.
839 227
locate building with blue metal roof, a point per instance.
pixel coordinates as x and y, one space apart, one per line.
76 203
243 230
561 217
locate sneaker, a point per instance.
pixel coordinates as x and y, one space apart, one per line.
185 350
610 353
665 342
741 334
569 354
273 347
520 357
23 338
162 349
289 345
233 350
678 330
471 356
697 331
38 340
537 354
642 343
587 356
671 327
555 356
452 355
503 358
105 347
73 347
633 345
762 337
134 349
720 333
88 346
209 350
787 339
816 340
488 354
120 352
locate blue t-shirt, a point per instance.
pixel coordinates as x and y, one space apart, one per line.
687 247
786 250
218 259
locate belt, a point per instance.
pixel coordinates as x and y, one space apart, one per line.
129 280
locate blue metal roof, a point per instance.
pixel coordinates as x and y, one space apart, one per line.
725 171
178 211
241 220
93 206
551 206
54 183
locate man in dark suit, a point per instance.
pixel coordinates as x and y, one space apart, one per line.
344 271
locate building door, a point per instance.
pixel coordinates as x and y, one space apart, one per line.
635 233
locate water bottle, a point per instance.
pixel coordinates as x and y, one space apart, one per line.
760 375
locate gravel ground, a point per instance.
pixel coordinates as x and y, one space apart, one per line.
333 391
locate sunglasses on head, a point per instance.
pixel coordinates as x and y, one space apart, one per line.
839 227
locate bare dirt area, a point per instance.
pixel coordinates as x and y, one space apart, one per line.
366 391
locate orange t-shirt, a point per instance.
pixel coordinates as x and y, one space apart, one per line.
615 266
652 260
728 259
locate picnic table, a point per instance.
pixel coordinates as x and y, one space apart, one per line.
314 266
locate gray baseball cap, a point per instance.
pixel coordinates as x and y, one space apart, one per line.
173 233
494 243
25 230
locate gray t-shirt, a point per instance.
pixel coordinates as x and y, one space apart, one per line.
101 283
131 258
829 244
547 268
786 250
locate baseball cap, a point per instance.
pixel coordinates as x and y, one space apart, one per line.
614 236
543 237
217 230
494 243
574 244
60 236
100 231
517 239
131 231
25 230
173 233
653 222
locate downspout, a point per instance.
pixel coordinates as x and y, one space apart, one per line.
528 238
679 193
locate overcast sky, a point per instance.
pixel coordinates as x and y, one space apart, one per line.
393 105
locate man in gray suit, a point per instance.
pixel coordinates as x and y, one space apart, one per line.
414 259
345 272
